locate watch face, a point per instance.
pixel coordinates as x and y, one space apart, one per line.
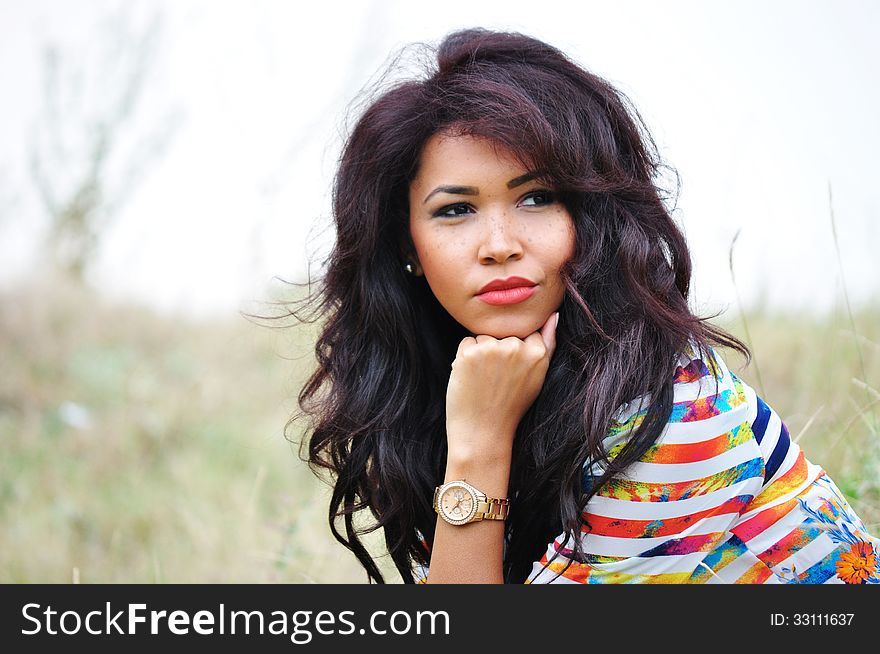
457 504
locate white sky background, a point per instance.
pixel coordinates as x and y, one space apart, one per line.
758 106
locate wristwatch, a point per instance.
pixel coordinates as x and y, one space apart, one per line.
459 503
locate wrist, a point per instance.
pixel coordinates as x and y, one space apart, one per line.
468 444
489 473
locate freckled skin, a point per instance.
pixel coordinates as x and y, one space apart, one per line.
498 233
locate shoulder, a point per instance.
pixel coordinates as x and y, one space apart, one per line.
711 415
703 386
707 442
658 520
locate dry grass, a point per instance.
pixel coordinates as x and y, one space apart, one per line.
141 449
145 449
822 377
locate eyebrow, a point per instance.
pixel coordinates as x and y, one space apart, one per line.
473 190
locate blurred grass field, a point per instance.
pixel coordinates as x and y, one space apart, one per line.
140 448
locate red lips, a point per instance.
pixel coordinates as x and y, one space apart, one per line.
501 284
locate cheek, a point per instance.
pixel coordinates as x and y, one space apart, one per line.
440 252
441 266
445 280
558 248
429 253
559 245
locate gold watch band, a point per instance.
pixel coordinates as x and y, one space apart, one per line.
492 509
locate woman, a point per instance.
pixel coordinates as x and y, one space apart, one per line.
510 380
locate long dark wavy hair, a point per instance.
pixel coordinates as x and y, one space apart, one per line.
376 401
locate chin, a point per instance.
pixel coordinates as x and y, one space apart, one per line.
502 327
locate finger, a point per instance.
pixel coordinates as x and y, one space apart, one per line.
548 333
465 343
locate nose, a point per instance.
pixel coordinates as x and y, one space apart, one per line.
500 239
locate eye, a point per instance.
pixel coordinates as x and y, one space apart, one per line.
452 210
539 198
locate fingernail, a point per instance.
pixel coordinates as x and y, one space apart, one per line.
557 321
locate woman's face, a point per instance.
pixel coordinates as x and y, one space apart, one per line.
478 217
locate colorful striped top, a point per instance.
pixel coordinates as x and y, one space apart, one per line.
723 496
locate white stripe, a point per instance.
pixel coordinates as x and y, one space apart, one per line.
617 546
735 569
807 556
696 431
652 565
611 507
772 432
703 387
771 435
659 473
628 409
751 400
771 535
655 565
690 392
